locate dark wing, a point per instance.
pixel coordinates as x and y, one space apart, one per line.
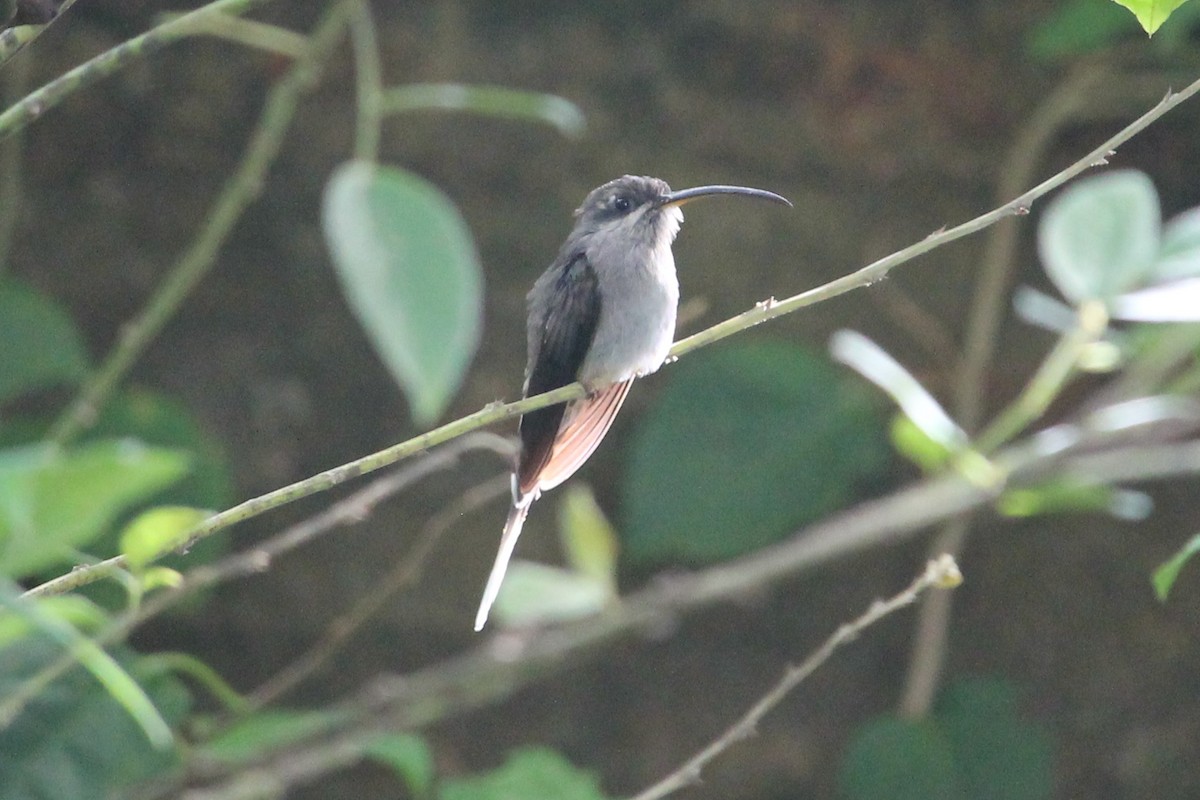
572 308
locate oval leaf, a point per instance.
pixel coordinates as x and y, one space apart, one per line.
39 345
158 531
52 502
1100 236
588 538
1151 14
1180 253
746 443
536 594
408 267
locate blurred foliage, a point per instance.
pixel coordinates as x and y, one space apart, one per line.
747 442
1166 575
1075 28
408 267
39 345
74 741
974 745
53 501
529 772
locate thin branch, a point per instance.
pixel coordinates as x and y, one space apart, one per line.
941 573
111 61
760 313
242 188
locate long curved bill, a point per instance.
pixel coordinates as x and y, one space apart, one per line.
688 195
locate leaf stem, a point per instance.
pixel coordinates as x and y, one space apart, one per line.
368 83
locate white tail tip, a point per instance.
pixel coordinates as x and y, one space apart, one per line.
508 542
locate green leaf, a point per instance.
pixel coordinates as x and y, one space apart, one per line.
747 442
39 345
263 732
588 538
408 267
535 594
1151 13
900 759
74 741
1168 571
1076 27
1068 496
918 446
1100 236
77 611
409 757
163 421
52 501
492 101
530 772
997 755
157 531
1179 256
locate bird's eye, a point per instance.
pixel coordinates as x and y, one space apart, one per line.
621 203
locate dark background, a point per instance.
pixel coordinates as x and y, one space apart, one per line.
883 121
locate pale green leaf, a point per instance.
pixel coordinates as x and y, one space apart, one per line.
534 594
1179 256
76 610
531 773
157 531
54 501
39 345
1151 14
103 667
263 732
1100 236
1168 571
588 538
408 756
408 266
492 101
73 741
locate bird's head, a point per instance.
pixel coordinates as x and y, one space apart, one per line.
643 210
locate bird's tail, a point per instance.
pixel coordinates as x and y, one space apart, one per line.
508 541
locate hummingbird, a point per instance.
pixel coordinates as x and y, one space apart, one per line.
603 314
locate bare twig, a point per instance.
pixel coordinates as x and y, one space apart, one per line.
941 573
760 313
